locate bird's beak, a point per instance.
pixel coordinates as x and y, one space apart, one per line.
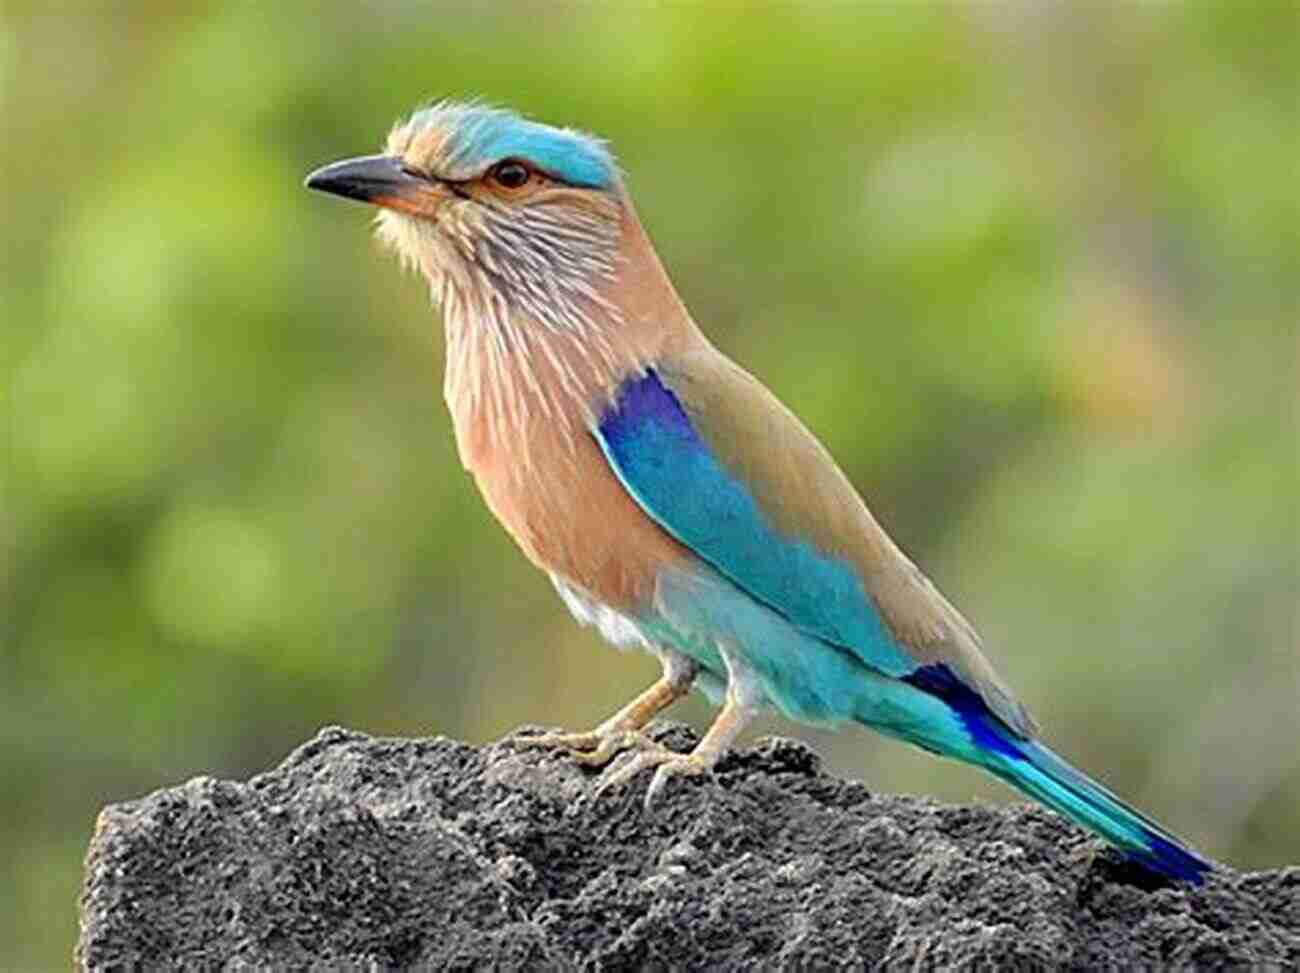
382 180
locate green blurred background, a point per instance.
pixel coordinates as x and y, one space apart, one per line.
1029 270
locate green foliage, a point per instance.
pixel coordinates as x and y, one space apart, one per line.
1029 271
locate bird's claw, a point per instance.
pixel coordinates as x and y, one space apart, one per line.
576 742
596 747
669 764
615 743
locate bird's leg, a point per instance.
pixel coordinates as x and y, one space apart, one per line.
622 731
739 707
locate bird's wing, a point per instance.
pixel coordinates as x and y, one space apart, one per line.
718 462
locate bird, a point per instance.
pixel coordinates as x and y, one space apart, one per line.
674 502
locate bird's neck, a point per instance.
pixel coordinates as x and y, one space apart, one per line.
515 383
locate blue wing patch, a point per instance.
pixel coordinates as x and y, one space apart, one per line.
675 477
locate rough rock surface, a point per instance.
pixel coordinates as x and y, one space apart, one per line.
381 853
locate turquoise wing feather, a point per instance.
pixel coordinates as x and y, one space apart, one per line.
678 479
717 462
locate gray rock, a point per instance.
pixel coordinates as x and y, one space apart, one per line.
371 853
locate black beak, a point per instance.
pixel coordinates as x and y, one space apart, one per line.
369 178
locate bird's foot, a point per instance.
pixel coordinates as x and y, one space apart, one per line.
597 747
669 764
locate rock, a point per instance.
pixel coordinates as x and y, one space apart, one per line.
383 853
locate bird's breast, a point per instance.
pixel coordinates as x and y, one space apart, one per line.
523 429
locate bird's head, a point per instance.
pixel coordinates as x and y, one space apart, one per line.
497 208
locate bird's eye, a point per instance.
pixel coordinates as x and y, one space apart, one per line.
511 175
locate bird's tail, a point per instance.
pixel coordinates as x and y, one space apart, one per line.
1032 768
946 716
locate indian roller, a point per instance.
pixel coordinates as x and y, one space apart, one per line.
674 502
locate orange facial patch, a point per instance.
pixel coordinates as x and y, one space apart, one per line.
422 204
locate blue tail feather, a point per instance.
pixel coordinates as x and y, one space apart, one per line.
1031 767
1042 774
